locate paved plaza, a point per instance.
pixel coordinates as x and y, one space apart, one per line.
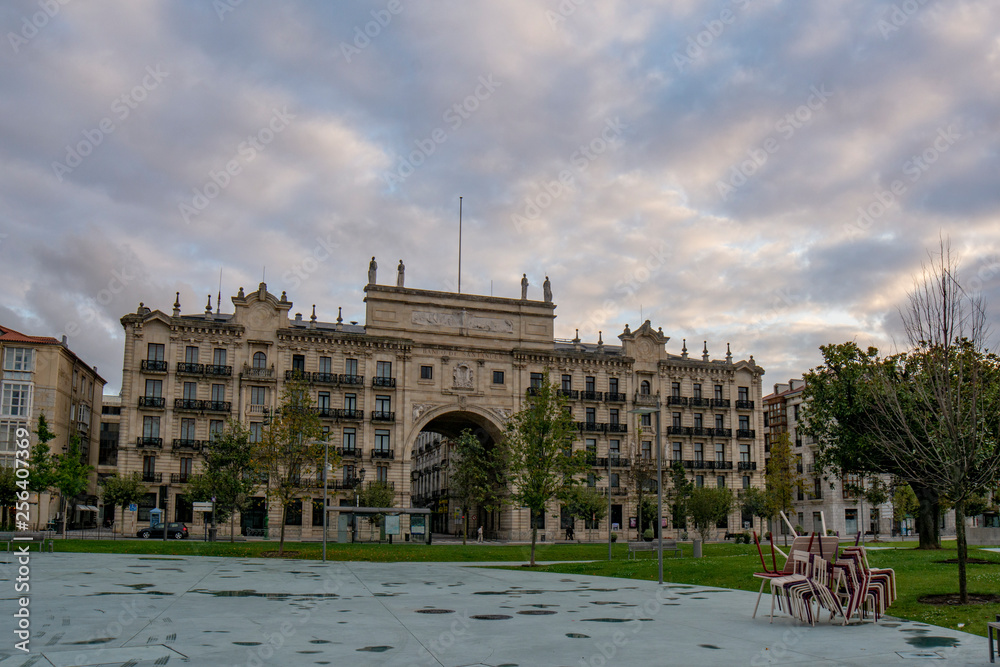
134 611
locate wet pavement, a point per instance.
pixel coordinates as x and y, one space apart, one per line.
134 611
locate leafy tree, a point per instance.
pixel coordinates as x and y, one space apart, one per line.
229 474
8 494
873 491
291 447
645 510
904 502
753 501
782 479
40 463
122 490
377 494
477 475
708 507
542 464
641 476
680 492
70 474
585 502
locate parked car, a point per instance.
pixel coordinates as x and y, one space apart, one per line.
175 530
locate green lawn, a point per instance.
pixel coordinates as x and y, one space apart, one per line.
724 565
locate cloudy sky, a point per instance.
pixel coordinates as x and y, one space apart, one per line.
765 173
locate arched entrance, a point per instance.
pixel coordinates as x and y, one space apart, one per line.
430 453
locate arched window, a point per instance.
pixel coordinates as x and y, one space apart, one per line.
259 360
644 387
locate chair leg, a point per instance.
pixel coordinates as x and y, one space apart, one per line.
760 593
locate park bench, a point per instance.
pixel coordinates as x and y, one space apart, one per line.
668 545
38 538
991 628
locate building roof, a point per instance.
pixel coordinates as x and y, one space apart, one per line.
8 335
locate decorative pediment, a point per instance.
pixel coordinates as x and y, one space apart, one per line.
645 343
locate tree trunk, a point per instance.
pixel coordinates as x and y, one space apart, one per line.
465 525
63 505
281 541
927 516
534 535
232 527
963 554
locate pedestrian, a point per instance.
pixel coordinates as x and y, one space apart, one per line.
479 534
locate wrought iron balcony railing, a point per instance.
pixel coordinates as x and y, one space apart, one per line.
187 368
148 441
217 370
152 402
153 366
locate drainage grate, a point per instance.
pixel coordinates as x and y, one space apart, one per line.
492 617
435 611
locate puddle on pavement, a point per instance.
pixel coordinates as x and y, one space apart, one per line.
435 611
157 558
269 596
247 643
701 645
932 642
320 641
536 612
375 649
607 620
491 617
577 635
310 652
102 640
91 595
138 587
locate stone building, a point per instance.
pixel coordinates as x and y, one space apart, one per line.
42 375
392 392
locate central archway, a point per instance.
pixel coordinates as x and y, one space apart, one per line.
429 452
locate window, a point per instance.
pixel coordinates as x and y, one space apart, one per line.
720 481
299 362
383 404
589 384
538 519
215 428
259 360
536 383
744 453
349 473
615 480
746 481
497 377
293 513
645 420
718 392
591 480
256 431
647 449
187 464
699 451
744 422
323 401
644 387
18 363
676 420
613 385
678 452
382 473
795 412
591 415
614 446
183 510
187 429
154 388
383 369
381 440
591 444
16 401
150 427
218 393
219 356
317 512
567 382
720 452
613 416
426 372
325 365
350 439
351 366
699 481
697 390
817 487
154 352
698 420
675 389
719 421
190 354
258 395
850 482
190 391
350 401
743 393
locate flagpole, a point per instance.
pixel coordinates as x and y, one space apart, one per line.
459 245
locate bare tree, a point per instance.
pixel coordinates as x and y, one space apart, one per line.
937 406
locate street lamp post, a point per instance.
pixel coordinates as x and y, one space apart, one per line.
326 474
609 503
659 483
357 500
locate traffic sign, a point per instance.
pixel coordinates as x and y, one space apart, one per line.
201 507
133 507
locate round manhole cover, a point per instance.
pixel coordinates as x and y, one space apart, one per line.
492 617
536 612
435 611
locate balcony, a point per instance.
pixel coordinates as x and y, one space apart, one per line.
617 428
358 380
188 404
745 433
383 416
652 400
217 406
255 409
324 378
569 393
722 432
297 374
696 465
188 443
152 402
215 370
326 412
180 477
700 402
616 462
744 405
618 491
344 484
152 477
720 402
533 391
677 400
348 413
384 382
591 459
747 465
722 465
614 397
153 366
349 452
591 395
257 373
187 368
591 427
701 430
391 485
148 441
679 430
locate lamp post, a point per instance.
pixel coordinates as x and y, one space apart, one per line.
609 503
357 500
326 474
659 482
